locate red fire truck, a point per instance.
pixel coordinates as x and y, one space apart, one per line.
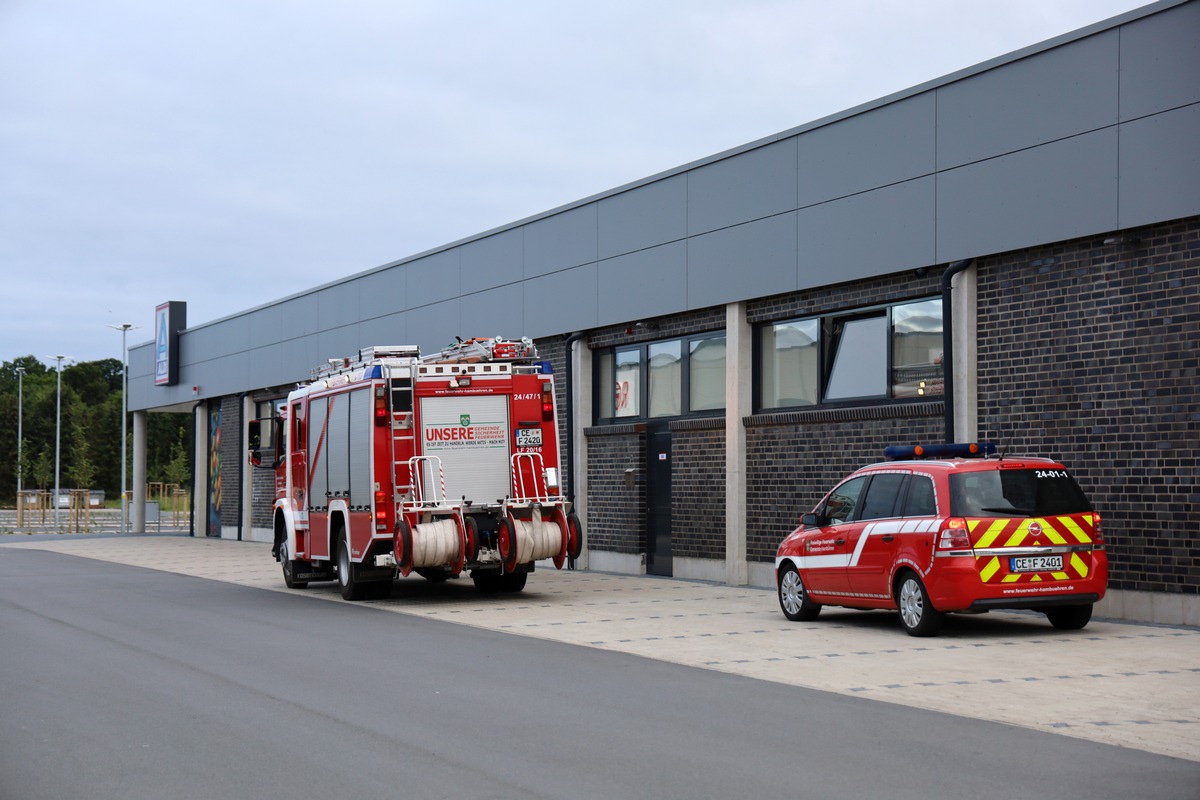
392 463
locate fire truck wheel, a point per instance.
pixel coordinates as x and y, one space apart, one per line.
347 573
793 597
1069 618
917 614
289 568
513 581
506 541
574 536
403 546
471 543
486 581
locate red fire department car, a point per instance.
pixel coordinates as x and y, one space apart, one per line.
944 528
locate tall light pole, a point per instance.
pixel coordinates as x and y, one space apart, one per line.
57 435
124 328
20 420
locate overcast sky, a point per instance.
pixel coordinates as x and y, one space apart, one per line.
231 152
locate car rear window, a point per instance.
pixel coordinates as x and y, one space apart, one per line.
1016 493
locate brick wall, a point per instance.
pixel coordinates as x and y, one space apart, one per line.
698 488
616 518
1089 353
793 459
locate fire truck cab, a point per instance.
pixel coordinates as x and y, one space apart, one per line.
393 462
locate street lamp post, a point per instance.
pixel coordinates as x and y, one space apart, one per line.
124 328
20 434
57 436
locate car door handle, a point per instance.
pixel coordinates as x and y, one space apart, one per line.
839 541
889 538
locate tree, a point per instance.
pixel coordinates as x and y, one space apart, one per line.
179 469
91 401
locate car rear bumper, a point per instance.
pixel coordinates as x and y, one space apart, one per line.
989 603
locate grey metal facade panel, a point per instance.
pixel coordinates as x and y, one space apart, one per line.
265 323
560 242
867 234
341 342
385 330
1045 194
495 260
303 353
562 302
338 304
229 337
752 260
893 144
647 283
1040 99
752 185
643 217
494 312
431 279
1160 62
434 326
1160 167
298 316
382 293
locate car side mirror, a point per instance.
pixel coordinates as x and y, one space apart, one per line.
813 521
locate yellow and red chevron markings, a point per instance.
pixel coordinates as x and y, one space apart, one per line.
1049 531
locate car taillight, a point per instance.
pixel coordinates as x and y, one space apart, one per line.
380 508
1097 530
547 401
954 535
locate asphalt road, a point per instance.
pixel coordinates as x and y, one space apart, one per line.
123 682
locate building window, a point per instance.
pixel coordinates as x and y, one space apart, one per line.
859 351
682 376
789 363
706 374
665 364
917 349
876 354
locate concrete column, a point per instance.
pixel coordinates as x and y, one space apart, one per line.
738 401
581 376
137 513
200 478
966 348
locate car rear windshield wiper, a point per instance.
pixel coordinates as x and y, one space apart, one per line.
1024 512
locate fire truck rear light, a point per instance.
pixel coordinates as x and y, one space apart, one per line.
381 412
547 402
1097 531
955 535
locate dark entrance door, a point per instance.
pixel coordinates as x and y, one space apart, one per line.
658 498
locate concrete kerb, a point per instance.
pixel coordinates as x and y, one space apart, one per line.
1127 684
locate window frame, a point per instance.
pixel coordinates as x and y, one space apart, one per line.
830 327
685 344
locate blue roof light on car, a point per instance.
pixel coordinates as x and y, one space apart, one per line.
966 450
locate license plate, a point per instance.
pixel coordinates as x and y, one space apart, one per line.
529 437
1035 564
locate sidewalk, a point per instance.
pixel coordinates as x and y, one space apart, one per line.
1125 684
